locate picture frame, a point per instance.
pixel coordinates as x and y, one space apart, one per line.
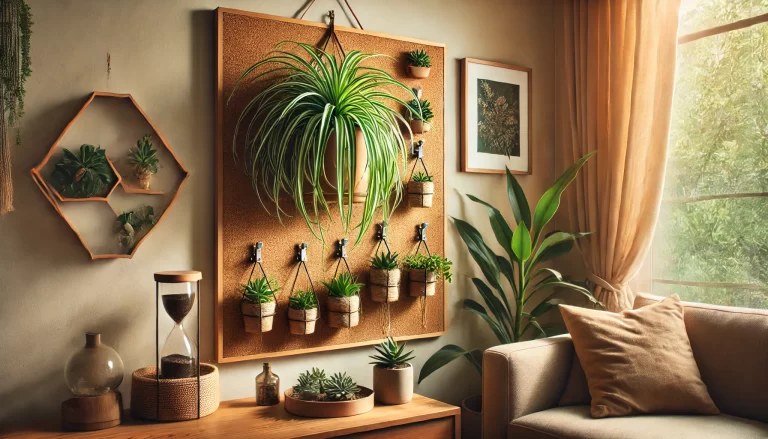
496 105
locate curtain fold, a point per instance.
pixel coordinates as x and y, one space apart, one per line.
616 62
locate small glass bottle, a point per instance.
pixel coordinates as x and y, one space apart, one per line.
267 387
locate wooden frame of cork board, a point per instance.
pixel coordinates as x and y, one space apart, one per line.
243 38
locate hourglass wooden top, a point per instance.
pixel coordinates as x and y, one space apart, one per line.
177 277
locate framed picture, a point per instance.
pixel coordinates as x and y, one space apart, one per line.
496 113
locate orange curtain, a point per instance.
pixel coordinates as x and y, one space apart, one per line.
616 63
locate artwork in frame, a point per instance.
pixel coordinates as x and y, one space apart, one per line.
496 114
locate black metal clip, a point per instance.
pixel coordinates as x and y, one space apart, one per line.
417 149
255 255
301 253
381 231
341 252
421 232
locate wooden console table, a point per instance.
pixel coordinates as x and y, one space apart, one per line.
422 418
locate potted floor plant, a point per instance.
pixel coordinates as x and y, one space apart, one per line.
424 271
420 116
259 304
343 301
510 312
316 395
392 373
144 161
419 64
421 190
83 175
302 312
323 133
384 278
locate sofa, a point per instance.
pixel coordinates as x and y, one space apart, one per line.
523 384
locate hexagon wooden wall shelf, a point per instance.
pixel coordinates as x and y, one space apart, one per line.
53 196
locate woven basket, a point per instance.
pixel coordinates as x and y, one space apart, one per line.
420 193
178 397
422 283
384 285
258 324
302 321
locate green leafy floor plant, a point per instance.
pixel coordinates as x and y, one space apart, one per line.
511 314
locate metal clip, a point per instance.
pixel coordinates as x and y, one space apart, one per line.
417 92
381 231
301 253
256 252
421 232
341 252
417 149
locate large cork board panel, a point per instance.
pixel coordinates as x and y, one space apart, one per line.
243 39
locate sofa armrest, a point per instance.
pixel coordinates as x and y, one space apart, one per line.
523 378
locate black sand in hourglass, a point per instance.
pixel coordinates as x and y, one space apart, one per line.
177 365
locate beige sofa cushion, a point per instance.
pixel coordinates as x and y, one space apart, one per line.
731 349
575 423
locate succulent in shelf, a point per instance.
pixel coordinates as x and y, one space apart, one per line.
341 387
303 300
132 222
343 285
435 263
419 58
144 161
420 110
83 175
384 261
390 355
261 290
310 385
421 177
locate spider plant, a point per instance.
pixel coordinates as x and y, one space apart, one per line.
83 175
261 290
527 249
390 355
435 263
343 285
303 300
287 126
421 177
384 261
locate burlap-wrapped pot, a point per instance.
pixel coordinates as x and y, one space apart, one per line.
302 321
178 397
421 281
258 317
384 284
420 193
144 178
343 312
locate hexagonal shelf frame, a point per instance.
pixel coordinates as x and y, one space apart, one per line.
53 196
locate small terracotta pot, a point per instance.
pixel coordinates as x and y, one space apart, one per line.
258 317
343 312
422 283
419 126
393 386
384 285
419 72
420 194
302 321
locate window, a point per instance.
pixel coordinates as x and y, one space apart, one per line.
711 243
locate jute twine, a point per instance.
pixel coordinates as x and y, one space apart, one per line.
422 283
344 312
178 397
6 184
302 321
384 285
420 194
258 317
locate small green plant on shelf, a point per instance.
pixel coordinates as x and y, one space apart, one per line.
419 58
314 385
343 285
303 300
420 110
341 387
434 264
132 222
83 175
421 177
261 290
384 261
144 160
390 355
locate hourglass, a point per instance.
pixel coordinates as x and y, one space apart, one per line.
177 291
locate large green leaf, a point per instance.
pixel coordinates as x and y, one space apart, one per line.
555 239
500 311
517 201
545 306
496 327
499 225
479 251
521 243
445 355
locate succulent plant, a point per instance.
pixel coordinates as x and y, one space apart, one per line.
303 299
385 261
311 384
341 387
83 175
420 110
143 157
343 285
390 355
436 263
419 58
421 177
260 290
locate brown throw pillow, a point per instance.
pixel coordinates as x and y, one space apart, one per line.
638 361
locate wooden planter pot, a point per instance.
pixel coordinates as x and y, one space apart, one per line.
419 72
420 194
422 283
258 317
385 285
419 126
343 312
302 321
329 409
393 386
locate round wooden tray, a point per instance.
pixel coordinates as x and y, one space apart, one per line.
329 409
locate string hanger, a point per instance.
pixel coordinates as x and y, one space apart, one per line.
341 253
301 258
381 235
330 35
256 258
417 151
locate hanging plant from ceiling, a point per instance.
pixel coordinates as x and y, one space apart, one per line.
15 31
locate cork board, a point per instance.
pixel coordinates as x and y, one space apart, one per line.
244 38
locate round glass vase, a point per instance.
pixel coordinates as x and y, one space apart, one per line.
95 369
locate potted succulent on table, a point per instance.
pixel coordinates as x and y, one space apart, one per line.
392 373
343 301
419 64
424 271
420 114
318 396
144 160
421 190
384 277
258 304
83 175
302 312
128 224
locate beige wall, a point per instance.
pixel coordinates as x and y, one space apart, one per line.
162 53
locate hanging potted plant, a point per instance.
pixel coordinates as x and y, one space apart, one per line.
343 301
420 114
302 312
392 373
83 175
144 161
424 271
323 133
419 64
258 304
384 278
421 189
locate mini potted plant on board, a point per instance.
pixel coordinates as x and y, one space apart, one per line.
419 64
424 271
343 301
258 304
144 161
421 189
302 312
83 175
392 373
384 277
318 396
130 223
420 114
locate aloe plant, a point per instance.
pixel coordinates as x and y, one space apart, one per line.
421 177
303 300
390 355
288 124
83 175
341 387
343 285
261 290
419 58
420 110
513 320
384 261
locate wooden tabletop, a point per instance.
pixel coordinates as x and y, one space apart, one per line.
243 419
